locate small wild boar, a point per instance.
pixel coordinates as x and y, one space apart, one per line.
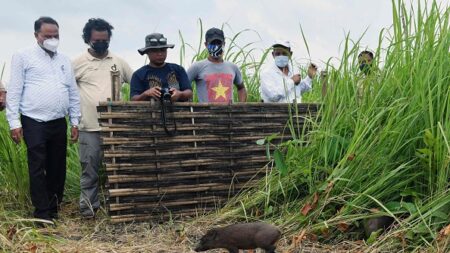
374 224
241 236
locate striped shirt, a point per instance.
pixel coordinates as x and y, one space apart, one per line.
42 88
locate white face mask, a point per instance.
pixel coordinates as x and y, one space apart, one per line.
281 61
51 44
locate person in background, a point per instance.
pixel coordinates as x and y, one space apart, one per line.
151 80
93 75
215 77
2 96
365 79
365 62
41 92
279 83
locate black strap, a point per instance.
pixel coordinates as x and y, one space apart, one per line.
164 117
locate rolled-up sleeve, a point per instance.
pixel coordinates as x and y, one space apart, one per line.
15 88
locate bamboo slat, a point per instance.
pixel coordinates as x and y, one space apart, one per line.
214 155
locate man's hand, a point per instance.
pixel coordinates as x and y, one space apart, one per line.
17 135
175 95
312 70
296 78
154 92
2 100
73 134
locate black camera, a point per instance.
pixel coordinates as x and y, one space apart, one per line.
165 94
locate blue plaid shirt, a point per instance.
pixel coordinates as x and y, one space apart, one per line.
42 88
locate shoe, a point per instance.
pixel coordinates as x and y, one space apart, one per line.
54 216
88 214
44 222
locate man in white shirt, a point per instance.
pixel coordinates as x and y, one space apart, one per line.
279 84
41 92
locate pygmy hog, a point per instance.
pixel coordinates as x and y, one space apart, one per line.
377 223
241 236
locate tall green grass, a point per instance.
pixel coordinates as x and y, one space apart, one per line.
14 169
387 153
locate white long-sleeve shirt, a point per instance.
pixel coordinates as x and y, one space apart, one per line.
277 87
42 88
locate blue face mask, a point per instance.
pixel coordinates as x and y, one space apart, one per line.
215 50
281 61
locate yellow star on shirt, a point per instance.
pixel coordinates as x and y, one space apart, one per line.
220 90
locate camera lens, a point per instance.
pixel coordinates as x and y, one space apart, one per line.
165 94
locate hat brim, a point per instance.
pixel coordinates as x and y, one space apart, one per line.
215 37
145 49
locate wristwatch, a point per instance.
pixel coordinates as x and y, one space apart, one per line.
75 126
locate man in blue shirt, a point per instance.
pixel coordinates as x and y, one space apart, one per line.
41 92
148 81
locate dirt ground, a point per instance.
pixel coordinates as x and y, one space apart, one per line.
73 234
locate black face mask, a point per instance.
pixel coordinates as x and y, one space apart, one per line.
100 47
365 68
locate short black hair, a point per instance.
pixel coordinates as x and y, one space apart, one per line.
366 52
97 24
43 20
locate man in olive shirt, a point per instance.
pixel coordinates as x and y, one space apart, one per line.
2 96
93 76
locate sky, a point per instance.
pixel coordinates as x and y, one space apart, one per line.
325 24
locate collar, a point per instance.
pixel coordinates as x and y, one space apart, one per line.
40 50
90 57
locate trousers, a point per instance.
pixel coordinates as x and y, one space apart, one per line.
91 159
46 152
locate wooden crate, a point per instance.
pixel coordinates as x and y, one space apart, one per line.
213 156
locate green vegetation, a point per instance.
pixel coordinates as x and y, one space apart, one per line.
384 154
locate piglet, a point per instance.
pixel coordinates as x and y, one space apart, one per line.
241 236
374 224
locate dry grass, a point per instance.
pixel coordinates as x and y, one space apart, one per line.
73 234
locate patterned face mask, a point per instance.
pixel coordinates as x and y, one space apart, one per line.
215 50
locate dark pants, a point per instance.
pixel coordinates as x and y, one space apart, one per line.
46 150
